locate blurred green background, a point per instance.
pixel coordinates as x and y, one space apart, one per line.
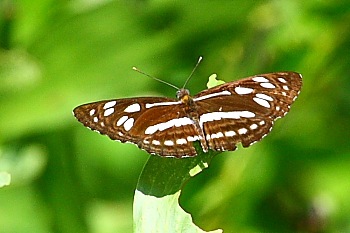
55 55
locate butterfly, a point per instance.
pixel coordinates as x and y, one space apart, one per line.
219 118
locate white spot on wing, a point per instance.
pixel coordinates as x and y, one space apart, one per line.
230 133
243 90
247 114
95 119
216 116
151 129
242 131
168 143
162 104
260 79
129 124
166 125
267 85
264 96
262 102
92 112
156 142
285 87
133 108
212 95
108 112
253 126
122 120
109 104
181 141
282 80
217 135
192 139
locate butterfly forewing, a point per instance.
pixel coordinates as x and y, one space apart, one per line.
242 111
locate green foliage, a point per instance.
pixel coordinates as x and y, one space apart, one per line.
5 179
213 82
156 201
55 55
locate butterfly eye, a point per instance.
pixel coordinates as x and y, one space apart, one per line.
178 94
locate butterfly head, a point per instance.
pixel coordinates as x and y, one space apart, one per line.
183 95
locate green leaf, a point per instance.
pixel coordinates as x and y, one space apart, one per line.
156 201
213 81
163 214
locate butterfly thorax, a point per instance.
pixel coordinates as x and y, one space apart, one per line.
190 110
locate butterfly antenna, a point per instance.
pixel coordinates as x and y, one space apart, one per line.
159 80
189 77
